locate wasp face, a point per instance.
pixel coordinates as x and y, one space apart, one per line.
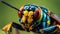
27 16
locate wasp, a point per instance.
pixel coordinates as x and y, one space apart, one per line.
34 18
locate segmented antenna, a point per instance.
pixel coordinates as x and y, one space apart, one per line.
10 5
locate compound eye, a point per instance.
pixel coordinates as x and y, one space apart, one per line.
36 13
19 14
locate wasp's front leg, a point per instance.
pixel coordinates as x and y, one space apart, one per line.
9 26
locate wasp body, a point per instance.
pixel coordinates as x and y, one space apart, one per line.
34 18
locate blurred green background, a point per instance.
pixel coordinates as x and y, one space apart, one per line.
8 14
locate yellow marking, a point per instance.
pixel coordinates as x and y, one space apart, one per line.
30 13
48 22
40 15
23 19
25 13
58 26
30 20
7 27
30 17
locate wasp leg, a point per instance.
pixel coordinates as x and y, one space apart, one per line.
16 31
17 26
47 30
9 26
58 26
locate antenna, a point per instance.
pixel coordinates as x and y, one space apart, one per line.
10 5
51 15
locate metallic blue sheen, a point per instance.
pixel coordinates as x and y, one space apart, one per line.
49 28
